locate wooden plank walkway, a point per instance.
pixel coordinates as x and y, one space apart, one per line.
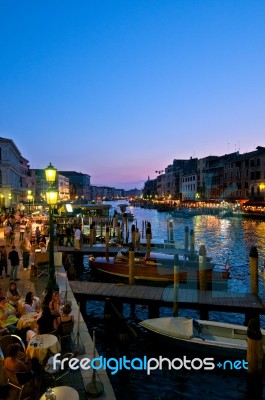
187 298
100 250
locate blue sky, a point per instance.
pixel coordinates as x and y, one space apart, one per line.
118 89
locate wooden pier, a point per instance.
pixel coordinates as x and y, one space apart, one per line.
100 250
164 297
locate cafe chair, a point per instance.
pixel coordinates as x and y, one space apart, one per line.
58 373
6 340
22 379
65 331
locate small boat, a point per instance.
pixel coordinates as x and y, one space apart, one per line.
159 269
213 338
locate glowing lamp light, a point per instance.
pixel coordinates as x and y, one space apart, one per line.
51 196
50 173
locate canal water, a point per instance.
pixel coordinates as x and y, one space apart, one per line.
223 238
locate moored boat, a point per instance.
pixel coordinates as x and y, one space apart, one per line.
213 338
158 269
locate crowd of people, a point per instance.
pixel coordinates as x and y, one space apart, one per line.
32 236
22 237
51 310
50 314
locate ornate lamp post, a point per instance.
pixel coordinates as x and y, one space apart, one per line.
51 198
30 198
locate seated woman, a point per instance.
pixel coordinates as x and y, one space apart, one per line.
16 361
8 315
45 322
64 317
13 295
31 304
55 304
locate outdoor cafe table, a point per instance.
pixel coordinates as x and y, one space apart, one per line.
63 392
28 320
40 344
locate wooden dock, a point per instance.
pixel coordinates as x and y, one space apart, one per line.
163 297
100 250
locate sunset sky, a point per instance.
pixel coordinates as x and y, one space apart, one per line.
119 88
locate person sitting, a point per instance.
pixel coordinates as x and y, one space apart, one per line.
45 324
13 294
55 304
42 247
64 317
16 355
8 315
31 304
16 361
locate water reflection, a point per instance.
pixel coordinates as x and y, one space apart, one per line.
222 238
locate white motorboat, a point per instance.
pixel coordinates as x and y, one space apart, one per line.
215 338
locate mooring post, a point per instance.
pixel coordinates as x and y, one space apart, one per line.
94 232
148 239
153 311
133 234
126 229
192 243
131 264
203 277
254 348
186 238
113 227
137 239
107 244
91 235
171 232
176 285
253 264
202 268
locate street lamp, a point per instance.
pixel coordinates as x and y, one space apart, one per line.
51 198
30 198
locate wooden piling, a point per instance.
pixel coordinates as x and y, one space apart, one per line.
153 311
148 239
176 285
137 239
131 264
203 276
94 232
186 238
133 235
253 264
254 348
170 232
192 243
126 229
107 244
91 235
